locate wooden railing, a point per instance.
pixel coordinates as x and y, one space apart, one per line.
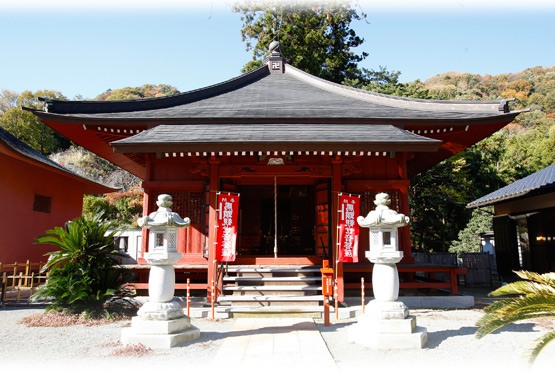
18 280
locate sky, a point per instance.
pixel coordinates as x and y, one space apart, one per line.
85 47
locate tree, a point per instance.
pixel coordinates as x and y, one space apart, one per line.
124 208
536 299
84 275
437 200
25 125
387 82
8 100
141 92
481 220
315 37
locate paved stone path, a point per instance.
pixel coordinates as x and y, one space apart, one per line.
279 343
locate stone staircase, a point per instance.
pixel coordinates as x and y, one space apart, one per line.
272 291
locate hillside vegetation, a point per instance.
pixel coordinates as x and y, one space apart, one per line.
525 146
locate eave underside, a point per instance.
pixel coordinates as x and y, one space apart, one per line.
98 135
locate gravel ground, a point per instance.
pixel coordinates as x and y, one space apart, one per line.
452 354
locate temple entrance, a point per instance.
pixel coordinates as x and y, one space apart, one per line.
294 206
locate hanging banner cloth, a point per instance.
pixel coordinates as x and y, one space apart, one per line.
349 208
226 235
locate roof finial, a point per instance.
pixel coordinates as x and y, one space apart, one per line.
275 46
275 61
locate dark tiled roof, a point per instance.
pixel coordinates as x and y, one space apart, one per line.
539 182
260 137
25 150
292 95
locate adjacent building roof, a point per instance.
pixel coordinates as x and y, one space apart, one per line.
537 183
25 152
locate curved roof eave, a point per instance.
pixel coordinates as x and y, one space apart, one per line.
495 107
499 106
88 119
88 107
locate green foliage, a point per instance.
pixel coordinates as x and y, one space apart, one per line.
437 200
536 299
124 208
387 82
25 125
481 220
141 92
316 37
84 275
93 204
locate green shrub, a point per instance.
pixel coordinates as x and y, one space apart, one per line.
84 275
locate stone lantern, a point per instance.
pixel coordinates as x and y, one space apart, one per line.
386 324
161 323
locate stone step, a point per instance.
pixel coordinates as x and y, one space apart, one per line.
258 298
303 269
272 279
271 311
272 288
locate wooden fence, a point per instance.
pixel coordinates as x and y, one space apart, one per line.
19 280
482 268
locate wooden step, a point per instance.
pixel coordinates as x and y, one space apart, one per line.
272 287
255 300
272 279
273 311
272 290
280 269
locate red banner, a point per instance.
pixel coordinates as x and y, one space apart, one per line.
226 236
349 208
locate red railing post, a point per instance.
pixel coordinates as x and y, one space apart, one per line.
213 297
188 296
362 293
335 296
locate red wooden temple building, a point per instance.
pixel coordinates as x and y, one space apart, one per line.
279 137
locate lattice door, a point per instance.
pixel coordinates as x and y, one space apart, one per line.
323 227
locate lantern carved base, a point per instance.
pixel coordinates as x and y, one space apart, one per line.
161 311
387 310
158 333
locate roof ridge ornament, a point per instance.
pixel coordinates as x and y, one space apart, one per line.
276 61
275 46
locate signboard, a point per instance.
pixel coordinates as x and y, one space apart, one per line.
226 235
349 208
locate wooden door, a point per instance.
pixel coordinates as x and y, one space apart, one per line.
322 227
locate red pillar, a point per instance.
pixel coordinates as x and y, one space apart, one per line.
336 188
214 187
404 232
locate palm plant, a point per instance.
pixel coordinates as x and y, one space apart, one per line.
84 274
537 299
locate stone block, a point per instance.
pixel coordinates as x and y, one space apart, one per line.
160 327
404 326
358 334
159 341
